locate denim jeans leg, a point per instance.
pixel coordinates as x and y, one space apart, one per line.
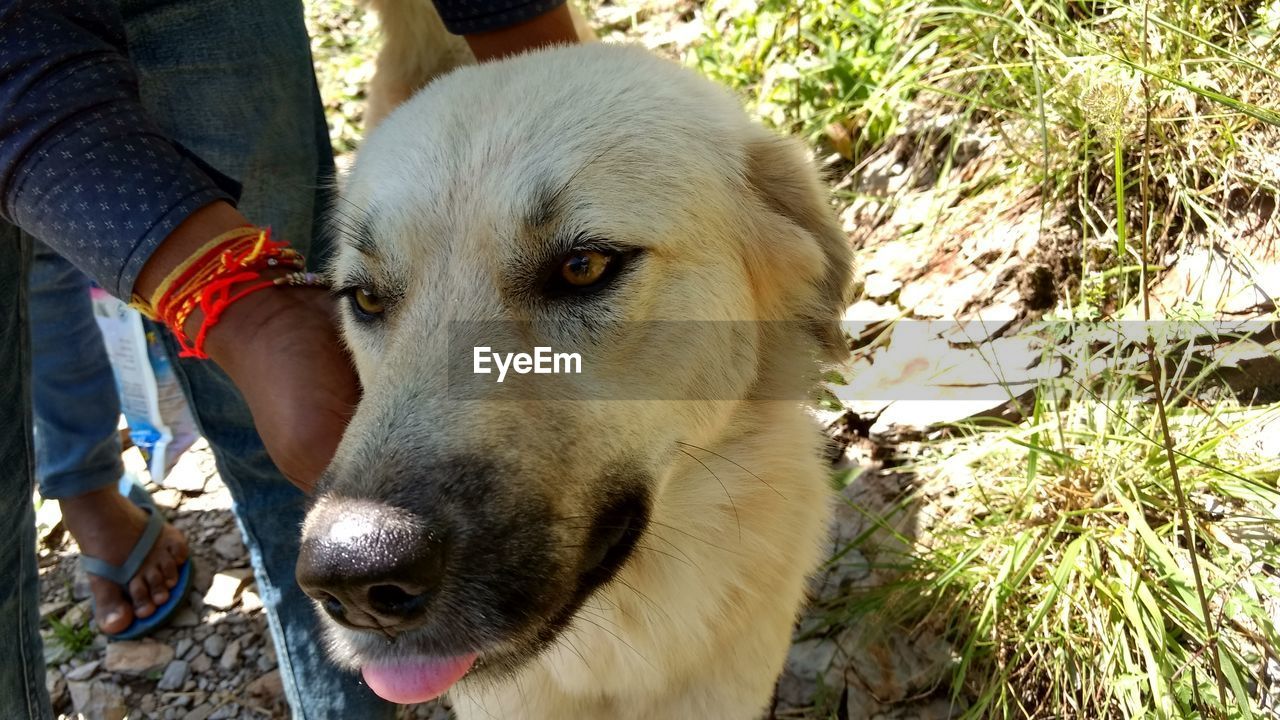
232 81
73 391
22 690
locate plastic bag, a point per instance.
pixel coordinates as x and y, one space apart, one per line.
160 422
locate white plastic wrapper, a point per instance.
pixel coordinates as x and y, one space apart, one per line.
160 422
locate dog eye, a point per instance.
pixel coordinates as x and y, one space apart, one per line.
584 270
366 304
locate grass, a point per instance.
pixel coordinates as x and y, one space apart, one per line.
1063 571
1176 92
1114 554
72 638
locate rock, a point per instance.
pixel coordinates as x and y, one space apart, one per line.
230 546
56 684
167 498
185 618
268 689
214 645
231 656
96 700
201 664
137 657
78 615
250 602
184 645
175 674
83 672
225 712
80 584
193 470
199 712
50 609
55 653
265 662
807 661
225 588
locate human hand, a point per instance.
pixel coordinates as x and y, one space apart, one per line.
281 349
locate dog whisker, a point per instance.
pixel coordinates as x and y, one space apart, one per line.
735 464
732 504
628 645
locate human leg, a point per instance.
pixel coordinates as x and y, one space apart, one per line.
22 689
76 409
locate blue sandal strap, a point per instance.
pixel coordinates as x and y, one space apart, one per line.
122 574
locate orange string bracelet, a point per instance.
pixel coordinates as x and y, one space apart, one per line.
227 269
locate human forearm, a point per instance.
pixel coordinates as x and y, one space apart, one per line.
82 166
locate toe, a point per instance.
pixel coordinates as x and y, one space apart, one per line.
175 545
143 606
156 584
168 569
112 610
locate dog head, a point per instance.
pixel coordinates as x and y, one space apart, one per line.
591 199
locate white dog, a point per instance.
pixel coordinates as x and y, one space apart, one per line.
630 542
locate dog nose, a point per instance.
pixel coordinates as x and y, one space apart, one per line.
370 566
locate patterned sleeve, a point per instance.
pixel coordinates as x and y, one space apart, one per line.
466 17
82 167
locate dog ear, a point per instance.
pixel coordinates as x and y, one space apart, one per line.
780 174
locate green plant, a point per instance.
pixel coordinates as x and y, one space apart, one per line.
72 638
1064 573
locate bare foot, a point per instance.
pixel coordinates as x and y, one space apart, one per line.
106 525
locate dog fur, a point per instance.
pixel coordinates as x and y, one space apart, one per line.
415 49
454 206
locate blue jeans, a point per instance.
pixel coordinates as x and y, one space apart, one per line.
73 390
232 81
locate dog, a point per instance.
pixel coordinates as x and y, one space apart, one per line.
628 543
416 48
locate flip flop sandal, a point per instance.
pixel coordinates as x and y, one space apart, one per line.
122 574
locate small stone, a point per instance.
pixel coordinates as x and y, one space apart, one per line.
184 645
225 588
265 662
137 657
78 615
167 498
50 609
56 684
80 584
83 672
230 546
268 689
193 651
231 656
97 700
55 653
175 674
250 601
225 712
185 618
214 645
201 664
148 704
199 712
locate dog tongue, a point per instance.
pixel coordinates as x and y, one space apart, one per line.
415 681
